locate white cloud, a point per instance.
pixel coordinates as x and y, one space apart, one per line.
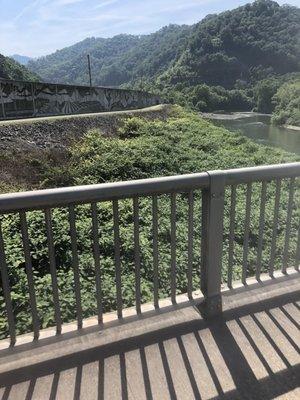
105 4
66 2
27 8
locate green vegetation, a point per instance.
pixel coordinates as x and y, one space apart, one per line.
210 98
115 61
10 69
216 64
287 104
265 90
141 148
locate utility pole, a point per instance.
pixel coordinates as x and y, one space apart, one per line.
89 65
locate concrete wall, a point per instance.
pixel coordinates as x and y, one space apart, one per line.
26 99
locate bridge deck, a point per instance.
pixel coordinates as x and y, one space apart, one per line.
251 352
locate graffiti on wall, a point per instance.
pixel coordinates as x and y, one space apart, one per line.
29 99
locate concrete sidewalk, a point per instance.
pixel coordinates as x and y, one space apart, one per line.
251 352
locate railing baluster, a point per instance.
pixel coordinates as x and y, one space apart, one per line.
6 291
155 250
190 245
288 226
231 235
117 258
29 273
173 248
137 261
261 228
96 254
275 226
75 264
51 253
246 232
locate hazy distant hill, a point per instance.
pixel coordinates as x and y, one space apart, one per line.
21 59
10 69
248 43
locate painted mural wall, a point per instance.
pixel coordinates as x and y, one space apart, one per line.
27 99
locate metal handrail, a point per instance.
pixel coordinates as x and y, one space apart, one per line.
37 199
262 173
101 192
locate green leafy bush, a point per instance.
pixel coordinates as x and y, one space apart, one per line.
131 128
287 104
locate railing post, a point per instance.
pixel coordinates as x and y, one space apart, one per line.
212 243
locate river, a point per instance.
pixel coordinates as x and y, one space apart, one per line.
258 127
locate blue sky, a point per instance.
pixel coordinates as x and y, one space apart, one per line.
39 27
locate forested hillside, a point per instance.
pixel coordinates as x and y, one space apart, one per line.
243 45
10 69
228 55
115 61
215 64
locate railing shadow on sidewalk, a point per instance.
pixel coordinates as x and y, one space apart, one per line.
248 352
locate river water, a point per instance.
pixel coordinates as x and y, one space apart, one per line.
258 127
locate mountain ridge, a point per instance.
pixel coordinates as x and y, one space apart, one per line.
11 69
21 59
248 44
112 58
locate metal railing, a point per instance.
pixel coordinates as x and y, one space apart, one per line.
212 187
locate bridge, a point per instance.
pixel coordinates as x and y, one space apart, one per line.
219 338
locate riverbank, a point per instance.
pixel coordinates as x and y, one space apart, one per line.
231 116
292 127
243 114
258 127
